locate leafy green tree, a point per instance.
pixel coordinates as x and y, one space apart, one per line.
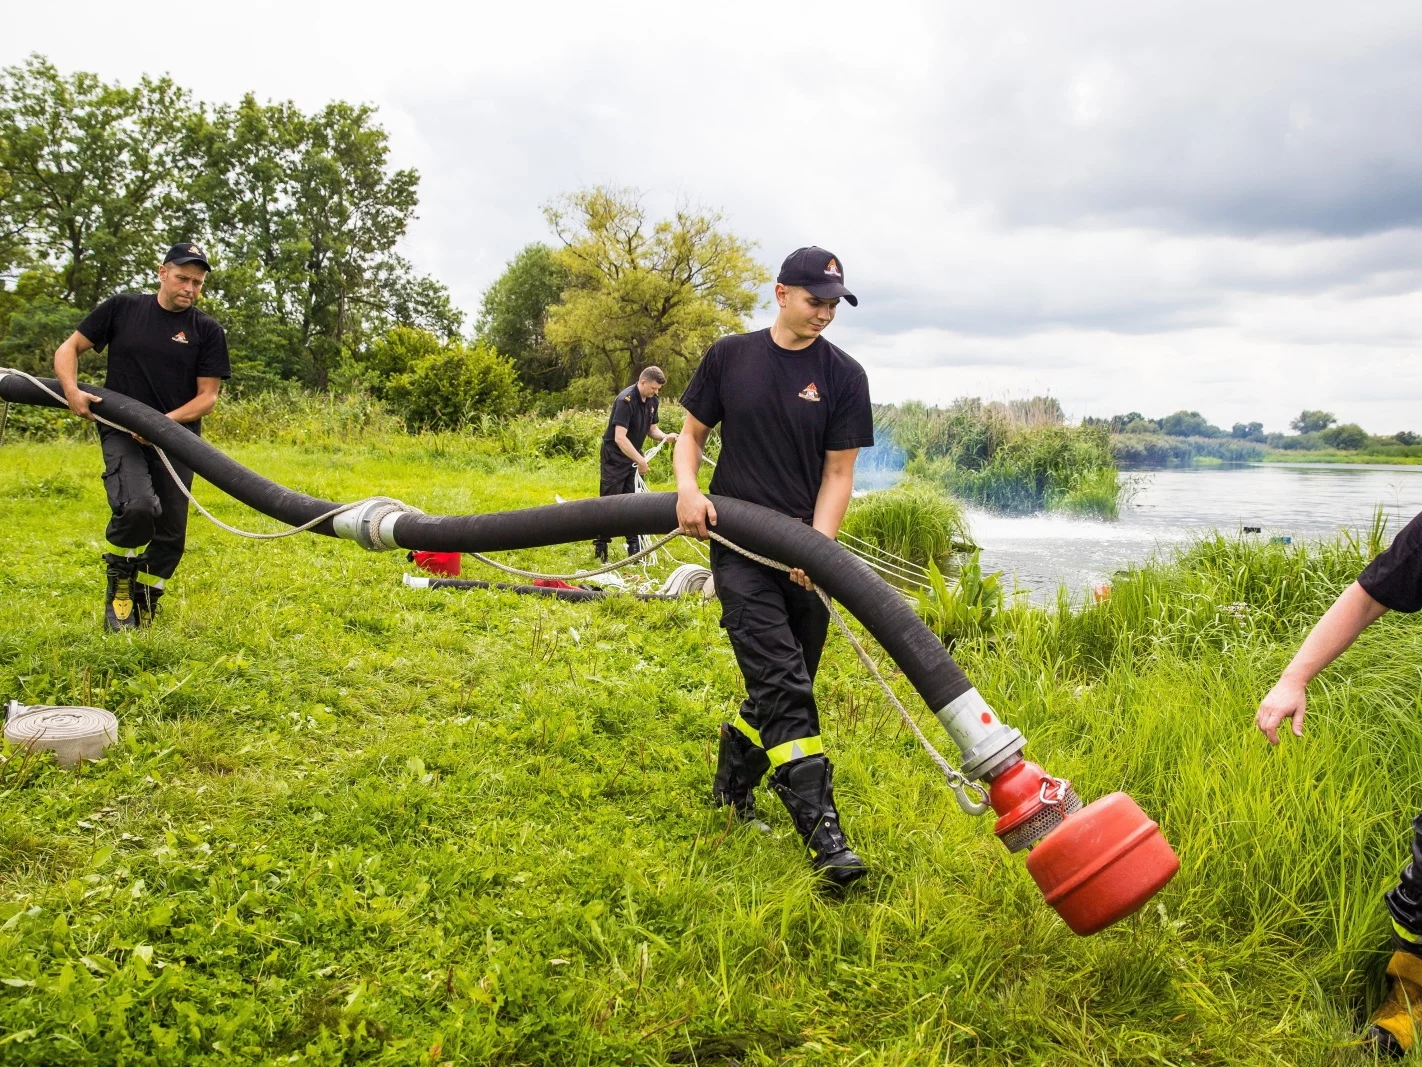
35 330
306 213
1313 421
514 312
1188 424
394 353
1120 422
1406 437
454 387
1349 437
1248 431
642 292
91 175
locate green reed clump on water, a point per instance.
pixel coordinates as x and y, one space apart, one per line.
351 822
913 521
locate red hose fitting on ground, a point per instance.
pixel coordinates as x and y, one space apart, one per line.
1095 865
446 563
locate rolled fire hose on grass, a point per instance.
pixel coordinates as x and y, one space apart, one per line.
1094 865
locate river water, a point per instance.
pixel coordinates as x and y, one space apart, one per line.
1171 507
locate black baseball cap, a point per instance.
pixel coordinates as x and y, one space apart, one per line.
186 253
818 271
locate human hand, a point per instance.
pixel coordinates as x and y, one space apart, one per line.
670 437
801 579
79 402
695 513
1286 700
642 467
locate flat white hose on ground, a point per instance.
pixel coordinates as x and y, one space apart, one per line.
72 734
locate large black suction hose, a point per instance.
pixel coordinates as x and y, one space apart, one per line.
988 745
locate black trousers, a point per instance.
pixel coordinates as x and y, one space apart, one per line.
616 476
777 630
1404 900
148 509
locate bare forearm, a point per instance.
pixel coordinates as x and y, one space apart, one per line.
624 445
686 460
194 409
1340 626
832 502
66 366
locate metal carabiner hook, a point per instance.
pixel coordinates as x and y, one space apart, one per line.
968 805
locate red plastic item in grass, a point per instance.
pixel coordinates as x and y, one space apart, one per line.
1102 863
445 563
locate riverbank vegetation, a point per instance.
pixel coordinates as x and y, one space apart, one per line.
1018 456
348 821
1187 436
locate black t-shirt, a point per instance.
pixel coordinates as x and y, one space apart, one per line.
780 412
156 356
638 416
1394 579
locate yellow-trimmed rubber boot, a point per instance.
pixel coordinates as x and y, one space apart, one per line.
1393 1028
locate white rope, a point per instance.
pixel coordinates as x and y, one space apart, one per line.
955 778
209 516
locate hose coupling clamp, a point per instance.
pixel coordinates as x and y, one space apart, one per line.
371 523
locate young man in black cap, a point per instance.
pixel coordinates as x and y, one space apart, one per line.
1391 582
794 412
172 357
633 417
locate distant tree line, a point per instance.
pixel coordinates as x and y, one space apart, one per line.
1313 430
301 214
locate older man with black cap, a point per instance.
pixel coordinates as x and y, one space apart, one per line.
166 353
794 412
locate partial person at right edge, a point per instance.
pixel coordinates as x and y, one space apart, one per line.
794 412
1392 581
172 357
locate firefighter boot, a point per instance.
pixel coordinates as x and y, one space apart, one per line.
740 765
145 598
1392 1030
120 612
806 785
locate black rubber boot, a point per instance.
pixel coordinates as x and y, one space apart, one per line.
740 765
120 611
1392 1029
145 598
600 551
807 787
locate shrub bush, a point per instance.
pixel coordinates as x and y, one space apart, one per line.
454 388
913 521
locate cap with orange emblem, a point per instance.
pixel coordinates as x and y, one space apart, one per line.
817 270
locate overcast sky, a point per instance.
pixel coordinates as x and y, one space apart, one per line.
1131 206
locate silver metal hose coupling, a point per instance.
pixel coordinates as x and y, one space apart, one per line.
371 523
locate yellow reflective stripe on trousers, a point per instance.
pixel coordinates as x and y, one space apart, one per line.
746 728
1406 934
149 579
793 750
119 550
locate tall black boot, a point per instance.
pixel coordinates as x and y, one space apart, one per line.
120 612
146 598
807 787
740 765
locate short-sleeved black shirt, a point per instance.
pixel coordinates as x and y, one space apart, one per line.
156 356
780 411
1394 579
638 416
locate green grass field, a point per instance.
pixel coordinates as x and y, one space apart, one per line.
349 822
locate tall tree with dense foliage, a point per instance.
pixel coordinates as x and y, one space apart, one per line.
91 176
644 292
1313 421
305 214
514 314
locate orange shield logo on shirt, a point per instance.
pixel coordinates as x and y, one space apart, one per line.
810 393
